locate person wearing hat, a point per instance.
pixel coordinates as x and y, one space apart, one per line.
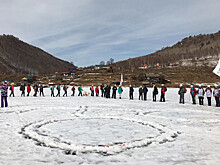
193 93
200 93
181 92
140 93
12 90
4 94
208 92
216 94
163 91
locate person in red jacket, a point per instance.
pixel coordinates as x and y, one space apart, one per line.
28 90
193 93
97 91
163 91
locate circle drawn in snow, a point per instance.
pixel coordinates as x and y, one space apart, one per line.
32 131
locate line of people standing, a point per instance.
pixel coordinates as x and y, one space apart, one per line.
201 92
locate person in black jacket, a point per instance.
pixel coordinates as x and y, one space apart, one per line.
41 90
145 90
102 90
155 92
65 90
22 89
131 91
108 90
114 90
141 93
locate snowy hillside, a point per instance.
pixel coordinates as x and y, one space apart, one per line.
95 130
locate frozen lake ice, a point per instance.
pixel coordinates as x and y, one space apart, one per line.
95 130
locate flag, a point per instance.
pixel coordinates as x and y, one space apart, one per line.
121 79
217 69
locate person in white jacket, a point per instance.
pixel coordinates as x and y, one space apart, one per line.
208 91
200 93
216 94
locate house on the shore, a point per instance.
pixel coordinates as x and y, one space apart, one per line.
98 67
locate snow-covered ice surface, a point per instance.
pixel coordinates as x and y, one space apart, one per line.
95 130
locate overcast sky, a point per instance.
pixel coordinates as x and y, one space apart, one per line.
89 31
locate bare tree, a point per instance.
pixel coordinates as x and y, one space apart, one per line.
108 62
111 60
102 63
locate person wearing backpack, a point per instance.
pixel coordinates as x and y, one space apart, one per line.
193 93
155 92
52 91
163 91
73 90
65 90
181 92
58 90
22 89
80 91
200 93
208 92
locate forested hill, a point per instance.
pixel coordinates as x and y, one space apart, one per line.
17 56
193 51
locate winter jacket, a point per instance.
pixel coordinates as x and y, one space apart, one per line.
73 89
58 87
163 90
28 89
155 90
208 92
52 88
114 89
41 88
200 92
80 89
22 88
96 90
193 91
140 91
216 92
131 89
92 88
12 88
120 90
145 90
182 90
4 90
